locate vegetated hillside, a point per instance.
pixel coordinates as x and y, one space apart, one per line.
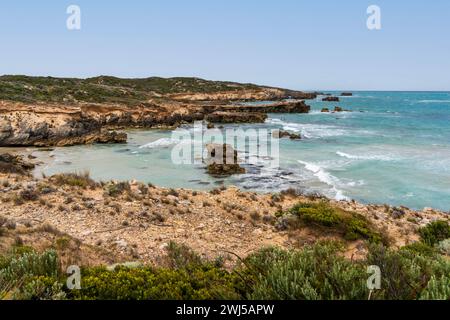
105 89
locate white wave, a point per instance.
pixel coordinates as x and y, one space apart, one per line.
366 157
308 130
433 101
161 143
324 177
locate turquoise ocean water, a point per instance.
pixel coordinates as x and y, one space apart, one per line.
394 147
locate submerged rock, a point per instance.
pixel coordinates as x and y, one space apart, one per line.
346 94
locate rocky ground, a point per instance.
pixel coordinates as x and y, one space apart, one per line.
104 223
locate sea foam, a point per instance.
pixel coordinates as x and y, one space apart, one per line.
366 157
161 143
324 177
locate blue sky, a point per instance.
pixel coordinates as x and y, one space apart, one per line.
308 45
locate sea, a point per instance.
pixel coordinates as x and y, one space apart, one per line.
388 147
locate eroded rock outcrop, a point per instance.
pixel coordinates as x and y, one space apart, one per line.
276 107
222 160
236 117
60 119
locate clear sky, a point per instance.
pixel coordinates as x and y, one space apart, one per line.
308 45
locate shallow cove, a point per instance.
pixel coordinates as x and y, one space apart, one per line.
394 147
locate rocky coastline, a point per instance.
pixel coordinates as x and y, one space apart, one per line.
68 122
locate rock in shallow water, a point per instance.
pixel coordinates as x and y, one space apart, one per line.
222 160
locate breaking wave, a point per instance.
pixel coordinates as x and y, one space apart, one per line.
433 101
309 130
324 177
367 157
161 143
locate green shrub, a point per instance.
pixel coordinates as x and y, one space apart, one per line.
352 225
22 275
40 288
317 213
435 232
437 289
444 247
181 256
421 248
31 264
406 273
200 283
321 272
314 273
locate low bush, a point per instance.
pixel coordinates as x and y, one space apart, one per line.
117 189
26 274
444 247
29 194
199 283
409 275
322 215
81 180
181 256
316 272
435 232
421 248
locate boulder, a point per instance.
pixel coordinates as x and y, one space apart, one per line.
222 160
325 110
280 134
